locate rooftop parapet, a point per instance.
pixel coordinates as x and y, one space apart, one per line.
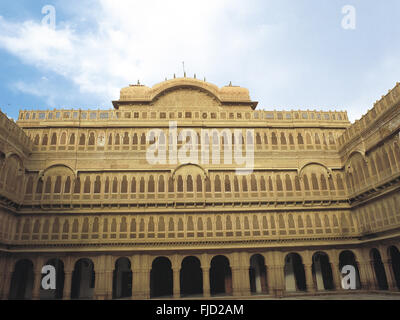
259 117
10 131
390 100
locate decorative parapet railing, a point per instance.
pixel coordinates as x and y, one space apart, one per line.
387 102
76 117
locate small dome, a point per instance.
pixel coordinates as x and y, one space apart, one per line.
134 92
234 93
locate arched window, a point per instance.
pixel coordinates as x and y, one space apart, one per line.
170 185
97 185
124 185
151 186
54 139
288 183
227 184
180 184
91 139
161 184
274 139
82 140
253 183
314 181
133 185
126 138
300 139
244 184
45 140
135 139
199 184
263 186
48 185
37 139
115 185
117 140
189 184
63 140
283 138
86 188
217 185
57 185
279 185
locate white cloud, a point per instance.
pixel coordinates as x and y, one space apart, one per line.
144 40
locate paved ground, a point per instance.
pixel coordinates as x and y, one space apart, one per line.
360 296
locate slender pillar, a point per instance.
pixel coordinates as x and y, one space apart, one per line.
206 281
37 278
336 275
176 282
309 278
67 282
7 279
387 263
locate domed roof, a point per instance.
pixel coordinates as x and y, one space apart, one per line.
135 92
234 93
228 94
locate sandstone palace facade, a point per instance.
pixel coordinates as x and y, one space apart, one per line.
77 192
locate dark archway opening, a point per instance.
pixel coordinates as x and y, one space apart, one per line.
22 281
379 269
122 279
83 280
295 276
56 294
348 258
395 257
191 277
220 276
161 278
322 271
258 274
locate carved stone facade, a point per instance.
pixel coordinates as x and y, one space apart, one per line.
78 192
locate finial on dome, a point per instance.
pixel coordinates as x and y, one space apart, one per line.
204 79
195 76
138 82
174 76
230 83
184 74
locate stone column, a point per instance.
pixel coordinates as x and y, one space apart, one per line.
276 270
236 281
141 277
9 269
336 275
387 263
103 280
309 278
366 279
37 278
206 281
68 269
176 282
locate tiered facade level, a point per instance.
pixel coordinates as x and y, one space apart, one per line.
77 192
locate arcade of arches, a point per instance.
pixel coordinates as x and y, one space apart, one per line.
77 193
272 273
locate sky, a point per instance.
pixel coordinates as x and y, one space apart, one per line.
290 54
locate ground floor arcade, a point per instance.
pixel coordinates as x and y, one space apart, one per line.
182 274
